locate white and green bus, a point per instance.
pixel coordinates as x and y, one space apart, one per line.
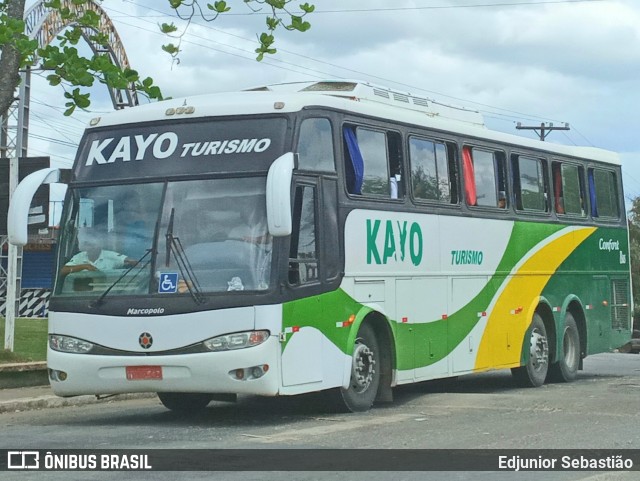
326 235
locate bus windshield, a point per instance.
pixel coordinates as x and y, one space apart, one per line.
165 238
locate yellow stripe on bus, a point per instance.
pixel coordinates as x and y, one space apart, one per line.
502 340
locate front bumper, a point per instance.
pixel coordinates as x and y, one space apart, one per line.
202 372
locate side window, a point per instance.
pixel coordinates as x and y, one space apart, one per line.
568 189
530 181
429 170
485 178
603 193
315 146
373 164
303 253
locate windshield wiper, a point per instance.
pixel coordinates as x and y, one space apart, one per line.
100 300
174 246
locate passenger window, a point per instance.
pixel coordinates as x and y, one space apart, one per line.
530 184
429 170
603 193
303 254
568 189
485 178
315 146
373 162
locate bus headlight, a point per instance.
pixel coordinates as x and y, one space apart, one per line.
238 340
69 344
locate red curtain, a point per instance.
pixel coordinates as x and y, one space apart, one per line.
557 189
469 176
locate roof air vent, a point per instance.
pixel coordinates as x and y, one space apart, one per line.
381 93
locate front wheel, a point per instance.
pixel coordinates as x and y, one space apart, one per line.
365 372
184 402
566 369
534 373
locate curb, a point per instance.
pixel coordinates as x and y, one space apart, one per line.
27 374
52 401
34 374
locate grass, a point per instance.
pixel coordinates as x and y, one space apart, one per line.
29 341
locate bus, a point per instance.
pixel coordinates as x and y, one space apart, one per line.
326 235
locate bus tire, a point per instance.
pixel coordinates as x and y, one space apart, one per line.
534 372
184 402
365 372
566 369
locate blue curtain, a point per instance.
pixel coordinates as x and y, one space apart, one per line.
592 195
355 168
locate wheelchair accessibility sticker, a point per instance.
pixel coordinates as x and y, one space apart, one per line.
168 283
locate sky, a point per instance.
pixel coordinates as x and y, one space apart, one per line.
528 61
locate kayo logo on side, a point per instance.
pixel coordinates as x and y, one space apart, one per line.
397 242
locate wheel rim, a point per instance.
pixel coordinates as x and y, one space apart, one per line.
570 350
362 368
539 350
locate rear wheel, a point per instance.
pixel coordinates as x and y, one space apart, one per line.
534 373
184 402
365 372
566 369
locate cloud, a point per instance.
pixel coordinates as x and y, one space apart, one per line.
574 62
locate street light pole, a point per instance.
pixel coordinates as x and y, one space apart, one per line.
12 269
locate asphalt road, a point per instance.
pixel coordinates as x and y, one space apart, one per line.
600 410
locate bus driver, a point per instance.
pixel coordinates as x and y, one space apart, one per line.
93 257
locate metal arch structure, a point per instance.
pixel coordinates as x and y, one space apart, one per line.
44 24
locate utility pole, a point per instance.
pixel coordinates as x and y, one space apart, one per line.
543 129
14 260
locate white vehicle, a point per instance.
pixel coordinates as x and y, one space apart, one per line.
326 235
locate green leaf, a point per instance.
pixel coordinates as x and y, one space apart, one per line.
272 23
277 4
219 7
54 4
167 28
298 24
71 109
54 79
307 8
171 49
154 93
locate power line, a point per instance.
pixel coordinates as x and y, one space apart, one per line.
54 141
48 124
403 9
306 70
508 113
225 52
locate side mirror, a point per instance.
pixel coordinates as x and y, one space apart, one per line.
18 216
279 195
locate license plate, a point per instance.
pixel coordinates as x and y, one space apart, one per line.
139 373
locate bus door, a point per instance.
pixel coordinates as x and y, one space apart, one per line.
312 269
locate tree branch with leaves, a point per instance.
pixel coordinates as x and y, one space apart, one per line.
280 16
76 73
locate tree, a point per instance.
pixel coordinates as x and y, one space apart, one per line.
634 252
76 73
